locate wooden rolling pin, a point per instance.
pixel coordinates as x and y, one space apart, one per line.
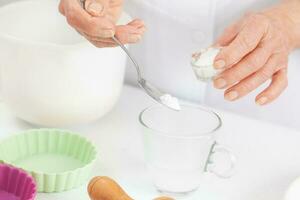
163 198
105 188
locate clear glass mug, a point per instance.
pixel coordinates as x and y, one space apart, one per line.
180 147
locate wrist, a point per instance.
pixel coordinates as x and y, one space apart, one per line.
287 16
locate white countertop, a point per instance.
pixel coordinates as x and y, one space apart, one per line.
268 155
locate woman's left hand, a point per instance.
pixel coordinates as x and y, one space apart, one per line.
256 49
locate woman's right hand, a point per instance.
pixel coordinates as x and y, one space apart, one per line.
97 21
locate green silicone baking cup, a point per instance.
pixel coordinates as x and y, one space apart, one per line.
59 160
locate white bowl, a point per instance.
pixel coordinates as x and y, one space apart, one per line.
50 75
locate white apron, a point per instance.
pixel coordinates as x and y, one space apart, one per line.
176 28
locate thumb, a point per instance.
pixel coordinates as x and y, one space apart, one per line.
96 8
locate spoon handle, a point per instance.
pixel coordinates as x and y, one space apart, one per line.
137 67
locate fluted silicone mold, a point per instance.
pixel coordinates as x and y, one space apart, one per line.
16 184
58 160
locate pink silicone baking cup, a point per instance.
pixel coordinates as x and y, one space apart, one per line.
15 184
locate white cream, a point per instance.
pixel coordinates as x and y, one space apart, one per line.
202 63
170 101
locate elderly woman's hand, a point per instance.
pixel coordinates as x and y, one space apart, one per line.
97 22
256 49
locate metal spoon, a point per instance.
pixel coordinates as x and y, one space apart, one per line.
151 90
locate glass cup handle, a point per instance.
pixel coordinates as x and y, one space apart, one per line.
219 149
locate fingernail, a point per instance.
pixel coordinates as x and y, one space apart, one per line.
107 33
96 8
219 64
220 83
230 96
261 101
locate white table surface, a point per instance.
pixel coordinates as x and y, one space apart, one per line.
268 155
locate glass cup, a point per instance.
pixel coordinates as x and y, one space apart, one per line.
180 146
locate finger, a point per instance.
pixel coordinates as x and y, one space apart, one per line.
96 8
247 66
277 86
130 33
129 38
84 22
138 23
98 39
136 26
61 8
246 41
247 85
102 44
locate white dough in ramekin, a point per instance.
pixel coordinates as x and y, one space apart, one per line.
203 61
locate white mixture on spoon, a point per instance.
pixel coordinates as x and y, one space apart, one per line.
170 101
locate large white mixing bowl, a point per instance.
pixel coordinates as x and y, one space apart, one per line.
50 75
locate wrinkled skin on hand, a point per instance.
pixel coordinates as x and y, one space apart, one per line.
97 22
256 50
